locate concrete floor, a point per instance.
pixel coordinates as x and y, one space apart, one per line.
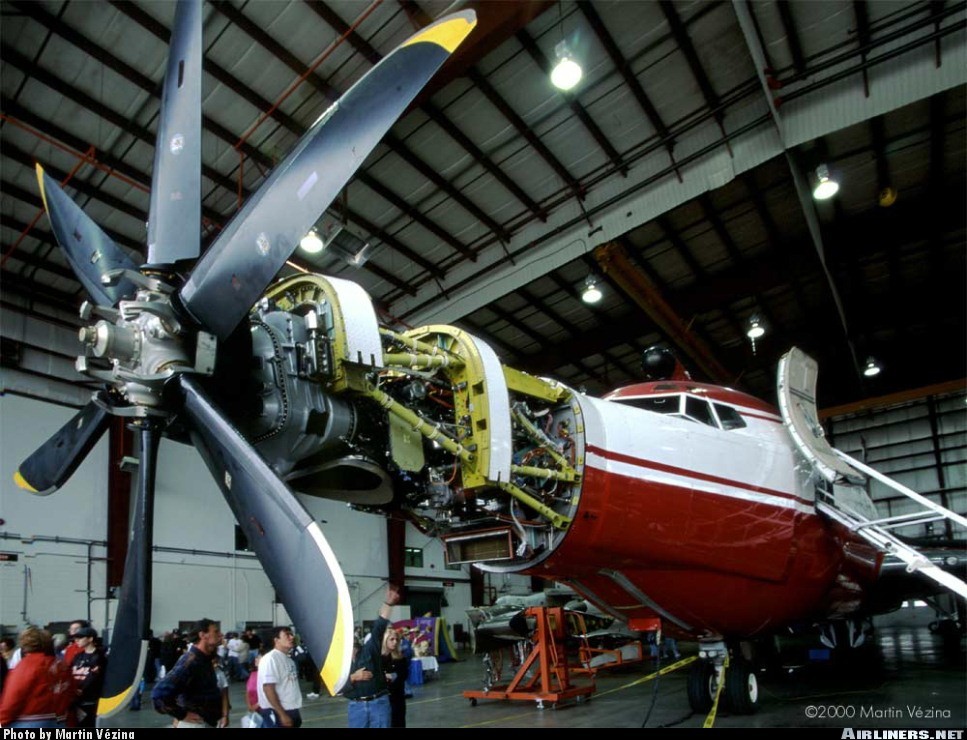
909 670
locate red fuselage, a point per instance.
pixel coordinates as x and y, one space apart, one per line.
711 528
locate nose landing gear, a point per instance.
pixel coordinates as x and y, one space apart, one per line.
739 683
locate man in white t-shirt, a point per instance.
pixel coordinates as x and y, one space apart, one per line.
237 657
280 696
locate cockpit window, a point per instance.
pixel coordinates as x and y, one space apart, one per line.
658 404
729 417
699 410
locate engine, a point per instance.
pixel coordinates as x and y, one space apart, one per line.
426 422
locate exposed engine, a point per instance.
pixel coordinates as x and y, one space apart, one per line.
426 422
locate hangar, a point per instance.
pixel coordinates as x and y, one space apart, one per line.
675 179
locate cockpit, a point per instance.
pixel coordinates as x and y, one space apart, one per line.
686 406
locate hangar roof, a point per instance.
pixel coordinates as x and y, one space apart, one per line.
677 173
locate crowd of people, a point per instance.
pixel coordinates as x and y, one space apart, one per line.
51 681
55 681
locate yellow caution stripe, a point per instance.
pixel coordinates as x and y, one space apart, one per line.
448 32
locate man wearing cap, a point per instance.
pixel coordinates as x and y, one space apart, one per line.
87 668
366 689
72 649
189 692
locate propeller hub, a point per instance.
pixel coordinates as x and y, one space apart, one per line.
112 341
140 347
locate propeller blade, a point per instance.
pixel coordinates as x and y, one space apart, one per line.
288 541
174 221
233 272
54 462
129 642
89 250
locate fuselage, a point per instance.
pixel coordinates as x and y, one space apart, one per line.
713 529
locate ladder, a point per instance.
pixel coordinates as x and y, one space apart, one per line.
876 531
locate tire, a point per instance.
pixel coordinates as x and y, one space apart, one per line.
701 686
741 690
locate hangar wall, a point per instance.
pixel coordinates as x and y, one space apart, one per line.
920 443
60 543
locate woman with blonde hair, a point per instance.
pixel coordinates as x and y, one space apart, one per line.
39 692
397 668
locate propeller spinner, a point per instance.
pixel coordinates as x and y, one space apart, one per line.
154 345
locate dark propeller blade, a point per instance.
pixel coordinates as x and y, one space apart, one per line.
288 541
89 250
234 271
54 462
174 221
129 642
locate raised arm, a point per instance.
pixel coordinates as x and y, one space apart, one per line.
391 599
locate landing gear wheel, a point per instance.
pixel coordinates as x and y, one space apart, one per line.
702 682
741 688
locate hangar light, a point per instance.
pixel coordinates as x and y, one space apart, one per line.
826 186
311 242
592 293
566 73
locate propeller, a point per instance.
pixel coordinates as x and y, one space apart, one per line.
158 348
237 267
287 540
132 623
51 464
91 253
174 218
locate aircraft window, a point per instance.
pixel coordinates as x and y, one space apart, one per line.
729 417
699 410
658 404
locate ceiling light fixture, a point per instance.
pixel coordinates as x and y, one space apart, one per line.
592 293
755 329
311 242
826 186
566 73
872 368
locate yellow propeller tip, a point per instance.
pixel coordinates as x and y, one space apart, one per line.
108 705
40 183
336 668
22 482
448 32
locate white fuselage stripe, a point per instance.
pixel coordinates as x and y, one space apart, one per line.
684 481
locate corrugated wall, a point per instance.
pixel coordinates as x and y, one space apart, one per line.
921 444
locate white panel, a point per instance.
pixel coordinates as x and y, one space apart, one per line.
362 328
914 76
498 412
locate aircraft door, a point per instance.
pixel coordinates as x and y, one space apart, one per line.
797 403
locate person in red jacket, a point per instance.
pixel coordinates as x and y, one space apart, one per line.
39 692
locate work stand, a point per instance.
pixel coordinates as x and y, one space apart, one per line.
544 676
